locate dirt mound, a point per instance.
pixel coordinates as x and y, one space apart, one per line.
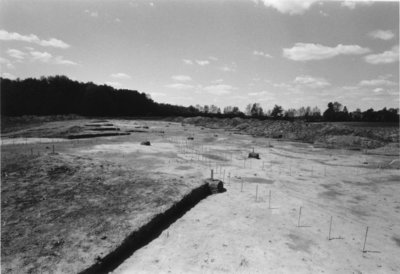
349 142
73 129
9 124
395 164
322 134
94 134
59 171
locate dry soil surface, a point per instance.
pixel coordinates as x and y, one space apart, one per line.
253 227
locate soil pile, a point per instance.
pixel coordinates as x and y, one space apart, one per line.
334 135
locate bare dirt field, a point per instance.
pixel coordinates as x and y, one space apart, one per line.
72 193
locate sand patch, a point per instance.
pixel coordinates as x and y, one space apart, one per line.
298 243
257 180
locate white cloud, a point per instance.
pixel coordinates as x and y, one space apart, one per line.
311 82
310 51
348 4
268 81
188 62
202 62
351 4
8 75
31 38
377 82
394 92
120 75
3 61
52 42
158 94
117 20
45 57
181 78
387 57
227 68
7 63
263 54
179 86
59 60
217 81
381 34
369 99
113 84
290 6
16 54
293 7
219 89
323 13
298 85
92 13
350 87
282 85
378 90
261 93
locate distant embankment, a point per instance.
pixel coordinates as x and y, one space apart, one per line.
327 134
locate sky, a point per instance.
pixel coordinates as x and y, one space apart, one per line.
225 52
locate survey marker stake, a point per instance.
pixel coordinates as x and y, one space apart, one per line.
269 200
365 240
256 192
330 229
298 222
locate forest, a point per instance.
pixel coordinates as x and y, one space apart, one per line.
59 95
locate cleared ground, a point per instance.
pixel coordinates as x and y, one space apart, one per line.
100 189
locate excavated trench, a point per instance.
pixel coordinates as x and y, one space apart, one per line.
153 229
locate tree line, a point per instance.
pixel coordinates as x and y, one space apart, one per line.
336 112
58 95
